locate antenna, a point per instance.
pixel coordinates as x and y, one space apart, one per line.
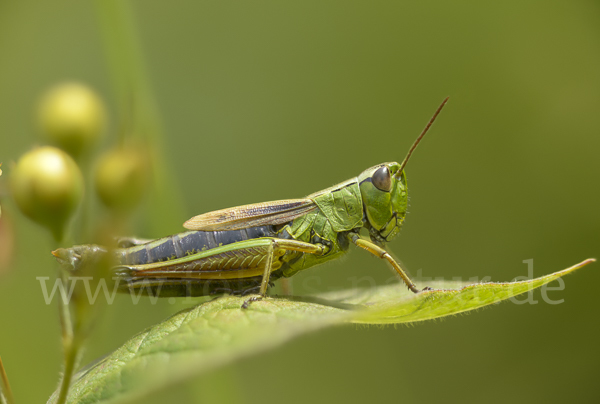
416 143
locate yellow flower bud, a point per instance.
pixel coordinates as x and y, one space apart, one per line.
72 116
47 186
122 177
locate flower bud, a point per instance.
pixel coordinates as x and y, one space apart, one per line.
72 116
47 186
122 177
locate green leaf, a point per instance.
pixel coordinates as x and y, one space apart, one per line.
220 331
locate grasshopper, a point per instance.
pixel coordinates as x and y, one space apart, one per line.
240 250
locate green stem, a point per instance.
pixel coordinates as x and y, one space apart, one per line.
85 215
137 106
71 340
69 348
71 355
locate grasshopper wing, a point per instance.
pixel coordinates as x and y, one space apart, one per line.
258 214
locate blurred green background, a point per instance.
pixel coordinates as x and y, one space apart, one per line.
267 100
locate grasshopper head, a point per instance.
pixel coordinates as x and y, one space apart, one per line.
383 191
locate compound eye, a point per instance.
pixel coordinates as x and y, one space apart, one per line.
382 179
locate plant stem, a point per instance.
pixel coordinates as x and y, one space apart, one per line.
71 355
71 340
69 349
85 214
137 106
7 390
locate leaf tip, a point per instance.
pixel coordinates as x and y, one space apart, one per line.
585 262
577 266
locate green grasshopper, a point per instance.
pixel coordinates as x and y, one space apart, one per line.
241 249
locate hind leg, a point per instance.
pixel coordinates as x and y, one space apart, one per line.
281 246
